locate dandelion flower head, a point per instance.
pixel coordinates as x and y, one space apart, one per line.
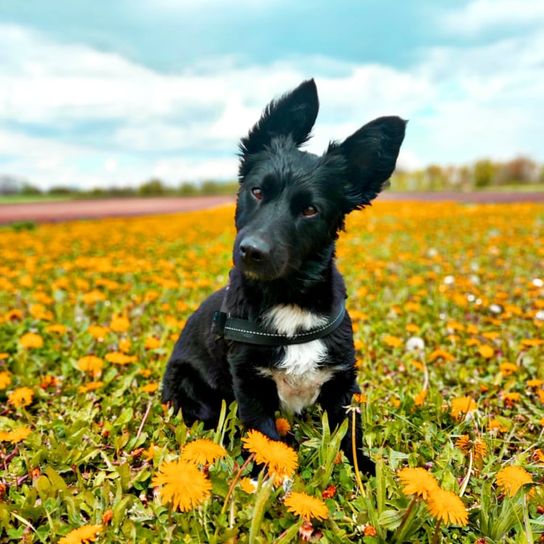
82 535
511 479
280 459
182 484
306 506
417 481
447 507
202 451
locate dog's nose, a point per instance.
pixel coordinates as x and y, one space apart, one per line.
254 249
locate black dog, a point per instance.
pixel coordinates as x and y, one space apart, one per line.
280 336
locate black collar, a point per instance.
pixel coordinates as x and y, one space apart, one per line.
250 332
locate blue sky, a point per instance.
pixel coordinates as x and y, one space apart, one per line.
113 93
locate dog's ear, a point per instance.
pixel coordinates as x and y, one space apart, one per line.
370 155
293 114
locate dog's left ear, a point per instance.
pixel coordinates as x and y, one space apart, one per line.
370 155
293 114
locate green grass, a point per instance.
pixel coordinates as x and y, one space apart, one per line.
31 199
466 280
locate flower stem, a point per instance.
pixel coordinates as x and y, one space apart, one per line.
469 473
526 521
234 482
354 452
436 536
399 531
425 374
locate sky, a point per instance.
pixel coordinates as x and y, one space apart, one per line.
112 93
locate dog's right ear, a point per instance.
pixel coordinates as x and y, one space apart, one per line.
293 114
370 156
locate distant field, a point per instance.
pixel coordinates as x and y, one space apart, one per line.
533 188
26 199
516 188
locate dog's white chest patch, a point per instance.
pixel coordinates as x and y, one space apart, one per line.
298 376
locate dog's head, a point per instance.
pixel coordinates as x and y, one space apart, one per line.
291 204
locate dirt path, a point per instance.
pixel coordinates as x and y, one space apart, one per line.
120 207
115 207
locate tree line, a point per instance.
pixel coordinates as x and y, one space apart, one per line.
482 174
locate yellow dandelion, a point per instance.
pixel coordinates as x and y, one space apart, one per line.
486 351
149 453
511 479
20 397
150 387
417 481
248 485
56 328
306 506
119 358
440 354
5 379
91 386
119 324
3 355
392 341
419 399
152 343
477 446
18 435
31 340
447 507
462 407
360 398
535 382
480 448
507 369
83 535
49 381
92 297
279 458
182 484
282 426
124 345
202 451
97 332
511 398
532 342
11 315
496 425
91 365
538 456
463 443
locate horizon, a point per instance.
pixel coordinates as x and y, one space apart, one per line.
111 98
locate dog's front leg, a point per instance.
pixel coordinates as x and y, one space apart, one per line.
257 399
335 397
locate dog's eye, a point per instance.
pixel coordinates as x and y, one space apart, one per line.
257 193
309 211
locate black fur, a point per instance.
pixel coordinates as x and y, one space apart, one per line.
283 254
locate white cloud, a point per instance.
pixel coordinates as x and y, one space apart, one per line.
480 15
111 165
462 103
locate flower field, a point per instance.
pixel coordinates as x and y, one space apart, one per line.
448 308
